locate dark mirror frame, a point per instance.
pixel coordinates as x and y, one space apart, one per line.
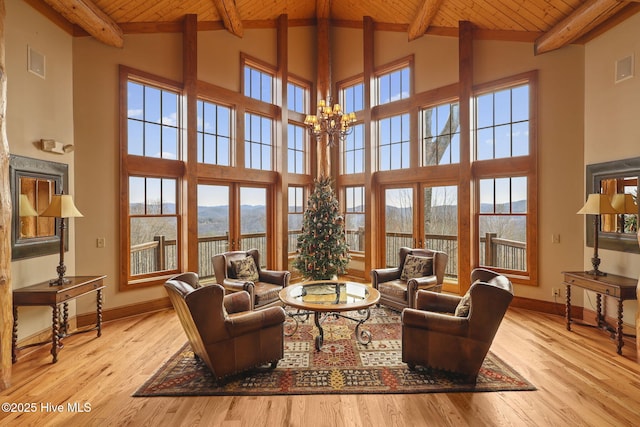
623 242
19 167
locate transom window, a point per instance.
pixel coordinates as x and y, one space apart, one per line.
258 84
297 98
353 151
440 134
296 148
393 86
214 134
352 97
394 139
502 123
152 121
258 141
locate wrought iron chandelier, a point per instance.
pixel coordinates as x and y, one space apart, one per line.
330 121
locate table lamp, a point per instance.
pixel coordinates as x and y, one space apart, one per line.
62 207
596 205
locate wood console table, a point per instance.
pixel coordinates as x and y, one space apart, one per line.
43 294
618 287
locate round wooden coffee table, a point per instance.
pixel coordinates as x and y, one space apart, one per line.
326 298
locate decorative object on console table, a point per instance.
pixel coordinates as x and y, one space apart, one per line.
43 294
596 205
611 285
61 207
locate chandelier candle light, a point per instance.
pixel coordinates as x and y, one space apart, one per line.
331 121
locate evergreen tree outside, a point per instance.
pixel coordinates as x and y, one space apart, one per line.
322 248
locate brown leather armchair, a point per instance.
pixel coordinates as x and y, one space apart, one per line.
263 292
222 331
398 293
434 336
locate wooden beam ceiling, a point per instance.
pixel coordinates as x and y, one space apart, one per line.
230 16
423 19
581 21
90 18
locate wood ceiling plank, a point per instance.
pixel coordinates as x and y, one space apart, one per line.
92 19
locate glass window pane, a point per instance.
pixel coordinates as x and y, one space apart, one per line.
520 103
520 142
135 137
502 101
487 197
484 110
152 140
136 195
152 105
502 141
135 103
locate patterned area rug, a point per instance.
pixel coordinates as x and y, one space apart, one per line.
343 366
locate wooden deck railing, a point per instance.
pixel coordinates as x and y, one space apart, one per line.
161 254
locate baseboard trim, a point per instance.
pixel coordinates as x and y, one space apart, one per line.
546 307
121 312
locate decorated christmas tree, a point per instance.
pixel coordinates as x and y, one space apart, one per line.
322 248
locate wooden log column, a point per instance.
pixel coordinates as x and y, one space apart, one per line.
324 84
6 310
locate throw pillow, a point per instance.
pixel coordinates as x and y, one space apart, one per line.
246 269
463 307
416 266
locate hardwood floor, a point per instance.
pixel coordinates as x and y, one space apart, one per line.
580 381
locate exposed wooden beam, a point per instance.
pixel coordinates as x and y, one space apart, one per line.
581 21
229 13
423 19
90 18
323 9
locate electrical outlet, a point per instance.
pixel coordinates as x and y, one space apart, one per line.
555 292
555 238
100 242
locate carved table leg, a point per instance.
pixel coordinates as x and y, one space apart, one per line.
99 311
619 328
65 319
14 341
598 310
54 333
568 308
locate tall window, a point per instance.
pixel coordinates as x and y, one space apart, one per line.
393 86
440 134
503 223
152 113
297 136
153 225
394 139
354 218
507 221
214 134
502 123
258 84
149 179
258 141
296 212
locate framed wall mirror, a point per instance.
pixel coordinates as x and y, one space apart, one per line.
33 182
617 232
